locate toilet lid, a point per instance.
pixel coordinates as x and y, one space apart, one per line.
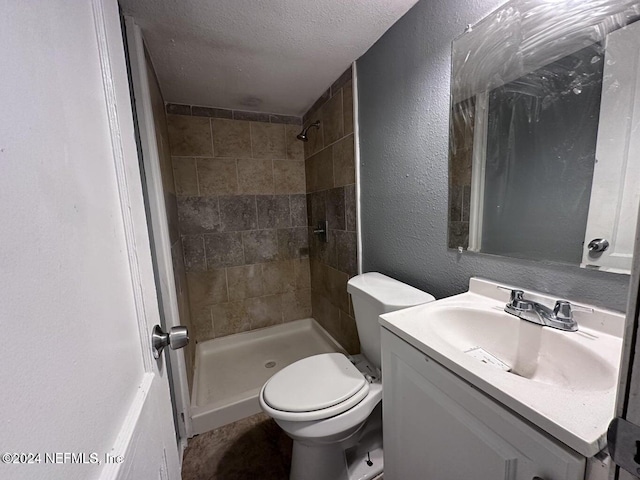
313 383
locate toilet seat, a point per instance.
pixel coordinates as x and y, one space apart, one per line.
314 388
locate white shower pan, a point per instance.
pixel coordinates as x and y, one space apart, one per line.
231 370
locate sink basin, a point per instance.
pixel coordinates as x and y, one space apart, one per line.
563 382
538 354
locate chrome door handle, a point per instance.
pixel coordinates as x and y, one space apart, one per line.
177 338
598 245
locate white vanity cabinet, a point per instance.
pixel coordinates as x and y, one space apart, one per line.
438 427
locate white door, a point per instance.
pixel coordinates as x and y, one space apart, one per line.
81 396
150 113
615 194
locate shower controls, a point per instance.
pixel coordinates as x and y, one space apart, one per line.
177 338
321 230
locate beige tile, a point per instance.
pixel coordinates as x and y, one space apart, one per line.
326 314
316 142
267 140
332 119
338 288
288 176
189 136
244 282
185 176
231 138
278 277
295 147
217 176
264 311
302 272
230 318
347 107
202 324
319 171
344 167
207 288
296 305
255 176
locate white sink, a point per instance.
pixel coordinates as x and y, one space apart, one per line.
563 382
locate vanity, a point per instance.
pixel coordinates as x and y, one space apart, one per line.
474 392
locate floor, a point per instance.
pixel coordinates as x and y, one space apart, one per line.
254 448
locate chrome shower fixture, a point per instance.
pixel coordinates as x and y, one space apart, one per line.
303 134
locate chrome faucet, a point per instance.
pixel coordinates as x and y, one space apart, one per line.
561 317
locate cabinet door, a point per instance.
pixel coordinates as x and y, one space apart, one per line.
437 427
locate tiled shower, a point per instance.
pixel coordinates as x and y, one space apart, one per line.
248 195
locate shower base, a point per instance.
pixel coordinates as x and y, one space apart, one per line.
230 371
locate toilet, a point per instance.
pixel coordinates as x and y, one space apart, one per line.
330 404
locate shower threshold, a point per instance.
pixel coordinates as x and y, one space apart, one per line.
231 370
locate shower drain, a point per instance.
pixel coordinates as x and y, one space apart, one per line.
269 364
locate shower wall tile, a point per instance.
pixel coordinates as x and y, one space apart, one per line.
267 140
286 119
346 255
278 277
229 318
294 147
331 196
296 304
332 118
264 311
319 171
251 116
189 136
202 323
217 176
298 205
245 282
260 246
198 111
178 109
185 176
231 138
207 288
194 258
344 167
274 211
293 242
255 176
315 136
335 208
238 212
198 214
223 250
243 224
302 273
350 207
347 106
289 176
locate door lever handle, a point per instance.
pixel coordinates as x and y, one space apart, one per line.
177 338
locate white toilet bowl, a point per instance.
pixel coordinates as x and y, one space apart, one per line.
330 404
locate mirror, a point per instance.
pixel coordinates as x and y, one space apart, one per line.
544 150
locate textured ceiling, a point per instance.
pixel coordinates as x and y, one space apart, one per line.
273 56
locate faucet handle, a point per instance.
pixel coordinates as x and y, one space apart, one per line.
516 295
562 310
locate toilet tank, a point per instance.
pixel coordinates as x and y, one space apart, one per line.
374 294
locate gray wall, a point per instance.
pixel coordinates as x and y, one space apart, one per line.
403 84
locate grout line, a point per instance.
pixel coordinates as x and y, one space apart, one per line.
213 151
195 161
204 252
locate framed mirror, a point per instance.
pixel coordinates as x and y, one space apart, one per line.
544 150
